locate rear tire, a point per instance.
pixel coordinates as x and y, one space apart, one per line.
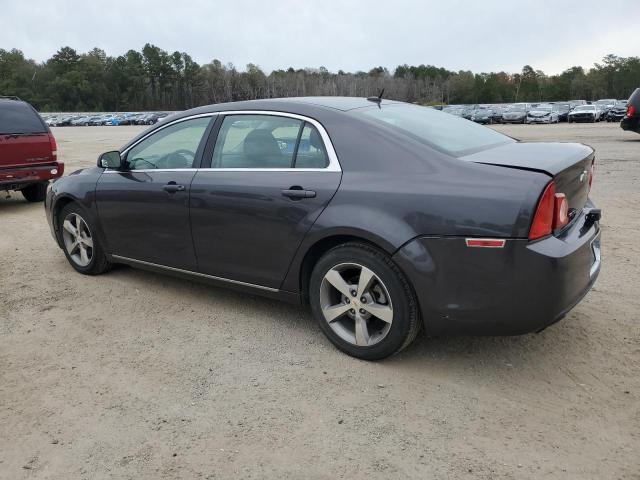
80 244
362 302
35 192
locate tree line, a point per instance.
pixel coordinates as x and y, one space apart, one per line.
154 79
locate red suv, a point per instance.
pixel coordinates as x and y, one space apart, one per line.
28 157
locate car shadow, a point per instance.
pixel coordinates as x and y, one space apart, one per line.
445 353
14 202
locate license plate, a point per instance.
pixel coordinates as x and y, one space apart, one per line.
595 250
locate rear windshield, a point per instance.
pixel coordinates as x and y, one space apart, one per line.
19 117
448 133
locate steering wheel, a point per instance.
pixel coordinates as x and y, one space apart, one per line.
136 160
181 158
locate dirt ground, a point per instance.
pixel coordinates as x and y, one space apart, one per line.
142 376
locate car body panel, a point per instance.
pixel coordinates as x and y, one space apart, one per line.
245 229
143 221
523 287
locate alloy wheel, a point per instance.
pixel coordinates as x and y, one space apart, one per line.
356 304
77 239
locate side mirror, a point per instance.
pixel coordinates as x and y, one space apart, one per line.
111 160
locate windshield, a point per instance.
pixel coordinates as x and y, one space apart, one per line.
543 108
584 108
447 133
516 108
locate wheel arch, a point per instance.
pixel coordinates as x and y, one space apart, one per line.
60 202
320 246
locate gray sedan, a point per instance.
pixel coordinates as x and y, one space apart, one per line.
383 217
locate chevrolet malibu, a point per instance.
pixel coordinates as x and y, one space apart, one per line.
383 217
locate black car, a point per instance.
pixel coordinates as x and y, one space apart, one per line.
563 111
631 121
482 115
383 216
617 111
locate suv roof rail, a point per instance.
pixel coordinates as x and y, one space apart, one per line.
10 97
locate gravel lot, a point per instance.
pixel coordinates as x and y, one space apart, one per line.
137 375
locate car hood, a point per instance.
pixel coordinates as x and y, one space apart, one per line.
550 158
539 113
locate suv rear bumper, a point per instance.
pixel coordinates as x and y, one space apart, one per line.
521 288
14 178
631 123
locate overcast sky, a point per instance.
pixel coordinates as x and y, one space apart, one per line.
482 36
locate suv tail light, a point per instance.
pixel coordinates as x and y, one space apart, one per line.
552 213
591 172
631 111
54 147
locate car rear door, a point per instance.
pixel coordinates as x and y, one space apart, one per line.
144 209
269 177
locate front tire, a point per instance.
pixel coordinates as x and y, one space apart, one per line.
35 192
79 242
362 302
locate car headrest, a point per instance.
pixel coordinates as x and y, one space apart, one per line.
260 144
316 140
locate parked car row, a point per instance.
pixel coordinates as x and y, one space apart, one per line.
610 110
103 119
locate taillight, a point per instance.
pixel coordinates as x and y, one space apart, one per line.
631 111
561 211
591 172
551 214
542 224
54 147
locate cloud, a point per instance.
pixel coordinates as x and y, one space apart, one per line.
490 35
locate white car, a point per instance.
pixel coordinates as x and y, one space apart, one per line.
585 113
543 114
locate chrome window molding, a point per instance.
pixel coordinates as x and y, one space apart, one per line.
153 132
334 164
195 274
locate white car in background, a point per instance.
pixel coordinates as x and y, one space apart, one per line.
545 113
585 113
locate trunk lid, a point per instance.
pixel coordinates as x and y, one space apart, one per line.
569 164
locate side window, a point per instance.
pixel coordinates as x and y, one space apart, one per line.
172 147
311 150
256 141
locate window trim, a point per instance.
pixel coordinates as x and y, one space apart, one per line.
199 150
334 164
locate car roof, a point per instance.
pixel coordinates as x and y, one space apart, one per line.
292 104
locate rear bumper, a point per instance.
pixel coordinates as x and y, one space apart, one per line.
632 124
539 119
16 178
521 288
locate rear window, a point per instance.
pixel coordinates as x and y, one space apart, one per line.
19 117
444 132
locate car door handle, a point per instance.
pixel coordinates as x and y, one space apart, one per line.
297 193
173 188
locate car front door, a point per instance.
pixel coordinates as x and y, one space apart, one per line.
144 208
269 178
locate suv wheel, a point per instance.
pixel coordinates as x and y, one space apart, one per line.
362 302
81 247
35 192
